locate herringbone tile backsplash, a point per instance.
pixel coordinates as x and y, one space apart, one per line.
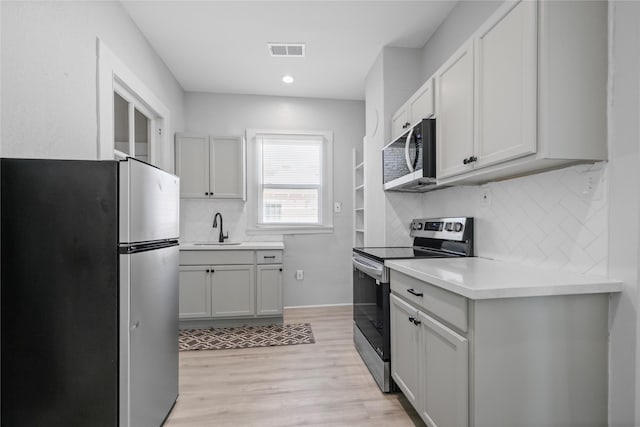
554 219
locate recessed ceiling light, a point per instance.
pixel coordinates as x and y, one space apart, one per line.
287 79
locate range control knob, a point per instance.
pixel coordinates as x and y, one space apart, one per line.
458 227
448 226
419 226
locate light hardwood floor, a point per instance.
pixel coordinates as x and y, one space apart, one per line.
321 384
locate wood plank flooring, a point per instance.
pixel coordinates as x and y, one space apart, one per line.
321 384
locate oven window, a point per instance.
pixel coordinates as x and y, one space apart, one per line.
370 311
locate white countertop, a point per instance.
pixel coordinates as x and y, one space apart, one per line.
482 278
212 246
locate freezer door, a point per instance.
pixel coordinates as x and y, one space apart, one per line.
149 336
149 203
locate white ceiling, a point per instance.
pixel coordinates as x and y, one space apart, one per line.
221 46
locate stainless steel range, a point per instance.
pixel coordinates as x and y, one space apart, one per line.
433 238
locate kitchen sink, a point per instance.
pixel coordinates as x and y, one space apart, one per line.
217 243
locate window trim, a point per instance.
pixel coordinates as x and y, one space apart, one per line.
254 197
135 103
112 74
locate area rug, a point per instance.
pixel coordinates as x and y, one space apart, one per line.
245 337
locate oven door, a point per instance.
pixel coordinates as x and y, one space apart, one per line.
371 304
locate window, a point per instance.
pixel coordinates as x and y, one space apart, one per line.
131 118
292 180
131 126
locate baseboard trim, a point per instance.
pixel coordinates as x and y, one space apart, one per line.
320 305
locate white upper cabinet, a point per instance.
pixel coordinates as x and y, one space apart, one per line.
227 171
421 103
210 166
506 86
454 113
526 93
400 121
192 165
418 107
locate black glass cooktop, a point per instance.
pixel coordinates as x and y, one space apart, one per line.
382 253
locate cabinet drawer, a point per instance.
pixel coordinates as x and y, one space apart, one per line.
450 307
215 257
268 257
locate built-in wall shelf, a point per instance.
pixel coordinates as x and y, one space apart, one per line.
358 199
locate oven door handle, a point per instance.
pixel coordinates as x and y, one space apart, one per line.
371 270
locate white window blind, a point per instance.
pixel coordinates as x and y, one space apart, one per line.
291 179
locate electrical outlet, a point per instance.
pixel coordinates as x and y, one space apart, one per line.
299 274
592 185
337 207
485 197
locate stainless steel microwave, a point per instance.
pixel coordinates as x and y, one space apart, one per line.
409 162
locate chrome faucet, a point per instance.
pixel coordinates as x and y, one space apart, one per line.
215 224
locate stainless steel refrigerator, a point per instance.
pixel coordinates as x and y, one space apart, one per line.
89 293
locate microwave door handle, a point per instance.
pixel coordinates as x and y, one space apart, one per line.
407 156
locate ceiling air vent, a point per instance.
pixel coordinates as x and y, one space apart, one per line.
292 50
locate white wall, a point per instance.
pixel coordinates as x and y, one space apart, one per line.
325 258
49 74
624 213
463 20
374 201
392 79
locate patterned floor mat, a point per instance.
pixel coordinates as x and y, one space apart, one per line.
245 337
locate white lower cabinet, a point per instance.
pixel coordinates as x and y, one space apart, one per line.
443 359
195 292
501 362
232 290
404 349
269 286
429 364
217 285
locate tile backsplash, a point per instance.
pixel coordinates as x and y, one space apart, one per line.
196 220
553 219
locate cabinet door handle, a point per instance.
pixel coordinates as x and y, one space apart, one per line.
470 160
280 269
269 257
412 319
413 292
416 322
206 194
